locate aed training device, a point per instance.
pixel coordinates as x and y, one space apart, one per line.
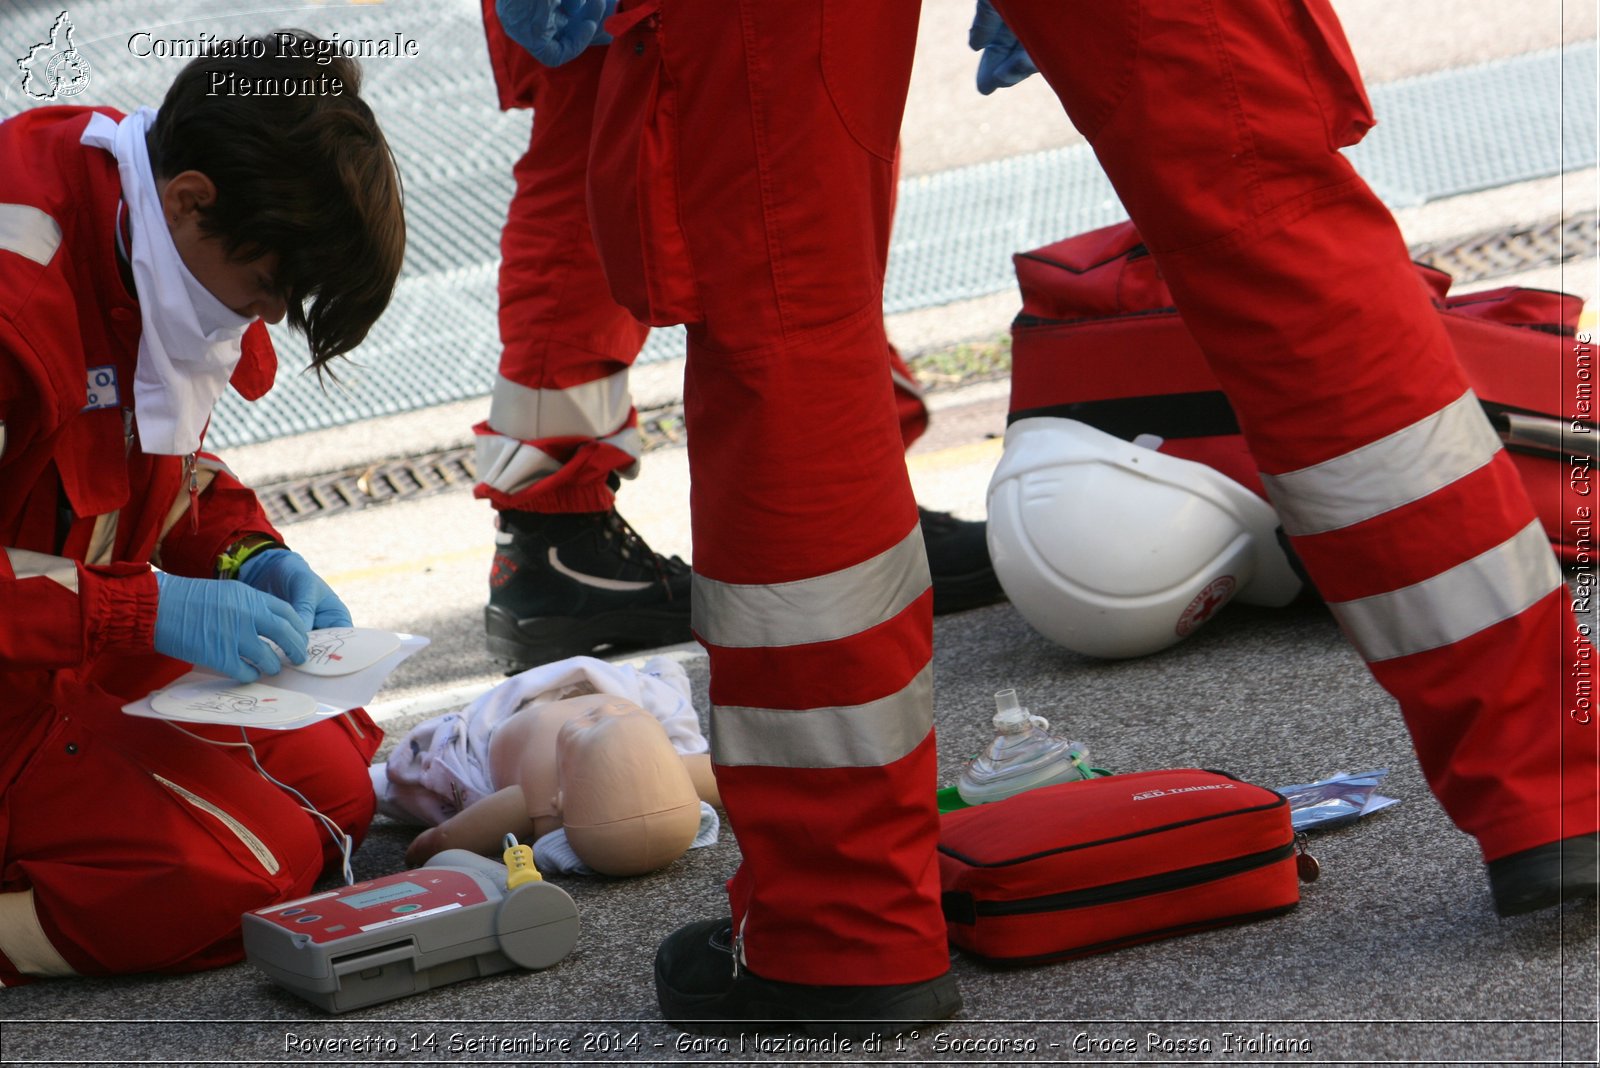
453 918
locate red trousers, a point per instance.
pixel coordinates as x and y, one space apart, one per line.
741 176
734 189
143 845
1219 125
561 417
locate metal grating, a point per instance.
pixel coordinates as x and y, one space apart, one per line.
291 502
1493 253
1476 257
1441 134
417 476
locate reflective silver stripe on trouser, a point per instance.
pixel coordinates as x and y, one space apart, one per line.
519 414
821 609
826 608
25 563
590 410
1454 604
511 466
27 231
23 941
855 736
1405 466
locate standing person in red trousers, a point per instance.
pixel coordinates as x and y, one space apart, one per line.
570 577
750 145
139 257
1371 444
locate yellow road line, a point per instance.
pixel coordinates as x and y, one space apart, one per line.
985 452
411 566
978 452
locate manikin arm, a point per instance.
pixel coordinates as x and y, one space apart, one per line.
704 778
480 827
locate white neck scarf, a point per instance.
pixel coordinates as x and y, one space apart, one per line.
190 341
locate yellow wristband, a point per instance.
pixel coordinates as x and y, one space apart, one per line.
233 558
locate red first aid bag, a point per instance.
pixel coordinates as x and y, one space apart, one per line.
1099 340
1085 867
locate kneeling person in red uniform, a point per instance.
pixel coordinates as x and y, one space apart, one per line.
138 256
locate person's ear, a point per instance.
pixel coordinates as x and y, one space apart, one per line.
185 194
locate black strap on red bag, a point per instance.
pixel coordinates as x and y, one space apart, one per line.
1100 341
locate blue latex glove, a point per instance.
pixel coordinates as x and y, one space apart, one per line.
287 576
1004 61
220 625
554 31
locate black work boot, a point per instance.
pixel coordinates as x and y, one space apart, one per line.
1545 876
700 990
573 584
958 557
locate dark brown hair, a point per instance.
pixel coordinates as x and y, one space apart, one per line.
301 169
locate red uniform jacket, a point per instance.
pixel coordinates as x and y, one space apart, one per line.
83 511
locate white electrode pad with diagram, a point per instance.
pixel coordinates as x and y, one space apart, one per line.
454 918
345 667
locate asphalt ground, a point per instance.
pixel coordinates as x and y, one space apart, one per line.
1393 956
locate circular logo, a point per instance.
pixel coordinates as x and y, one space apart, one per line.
1205 604
67 73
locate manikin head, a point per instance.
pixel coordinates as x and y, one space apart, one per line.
622 792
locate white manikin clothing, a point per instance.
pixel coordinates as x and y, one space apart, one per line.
442 765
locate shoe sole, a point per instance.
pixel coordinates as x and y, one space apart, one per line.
521 644
773 1011
1566 871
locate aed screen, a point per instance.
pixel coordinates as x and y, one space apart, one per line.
384 894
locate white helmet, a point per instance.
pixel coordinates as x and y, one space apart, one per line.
1114 550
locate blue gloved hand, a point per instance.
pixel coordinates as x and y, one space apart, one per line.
1004 61
287 576
554 31
219 624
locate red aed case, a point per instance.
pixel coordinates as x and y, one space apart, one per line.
1085 867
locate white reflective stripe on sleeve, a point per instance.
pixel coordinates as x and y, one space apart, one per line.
214 465
2 437
25 563
1378 477
102 540
591 410
909 385
821 609
859 736
29 232
23 941
1454 604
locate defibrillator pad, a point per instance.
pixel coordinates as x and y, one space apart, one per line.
344 669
